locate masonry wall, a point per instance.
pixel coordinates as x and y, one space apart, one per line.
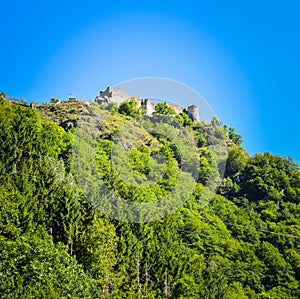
109 95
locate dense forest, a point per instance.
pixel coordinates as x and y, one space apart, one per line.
236 235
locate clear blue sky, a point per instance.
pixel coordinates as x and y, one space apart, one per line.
241 56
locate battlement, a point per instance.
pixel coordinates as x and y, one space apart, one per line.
110 95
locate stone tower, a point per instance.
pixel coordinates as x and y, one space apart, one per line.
193 112
149 107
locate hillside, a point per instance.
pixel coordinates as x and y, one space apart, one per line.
63 235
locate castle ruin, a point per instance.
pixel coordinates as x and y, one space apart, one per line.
110 95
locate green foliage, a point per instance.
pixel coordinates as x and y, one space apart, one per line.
63 112
271 177
235 163
34 267
163 109
130 108
54 243
236 138
215 122
54 100
184 119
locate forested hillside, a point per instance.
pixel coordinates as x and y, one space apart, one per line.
56 242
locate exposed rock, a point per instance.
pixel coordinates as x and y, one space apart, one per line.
68 124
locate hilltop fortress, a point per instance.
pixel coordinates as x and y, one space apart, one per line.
110 95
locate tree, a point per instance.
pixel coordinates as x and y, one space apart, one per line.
34 267
55 243
271 177
164 109
236 138
235 163
130 108
184 119
216 122
54 100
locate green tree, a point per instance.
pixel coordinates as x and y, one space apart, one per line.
33 267
54 100
236 138
130 108
164 109
235 163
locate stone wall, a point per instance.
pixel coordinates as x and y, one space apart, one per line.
149 107
109 95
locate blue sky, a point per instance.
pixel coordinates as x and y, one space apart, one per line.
241 56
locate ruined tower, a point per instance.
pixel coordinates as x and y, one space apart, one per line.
193 112
149 107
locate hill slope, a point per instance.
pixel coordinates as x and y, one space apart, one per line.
57 243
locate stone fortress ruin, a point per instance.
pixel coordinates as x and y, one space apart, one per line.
111 95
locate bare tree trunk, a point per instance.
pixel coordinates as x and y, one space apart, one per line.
15 156
167 285
71 248
138 273
147 276
138 269
107 286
